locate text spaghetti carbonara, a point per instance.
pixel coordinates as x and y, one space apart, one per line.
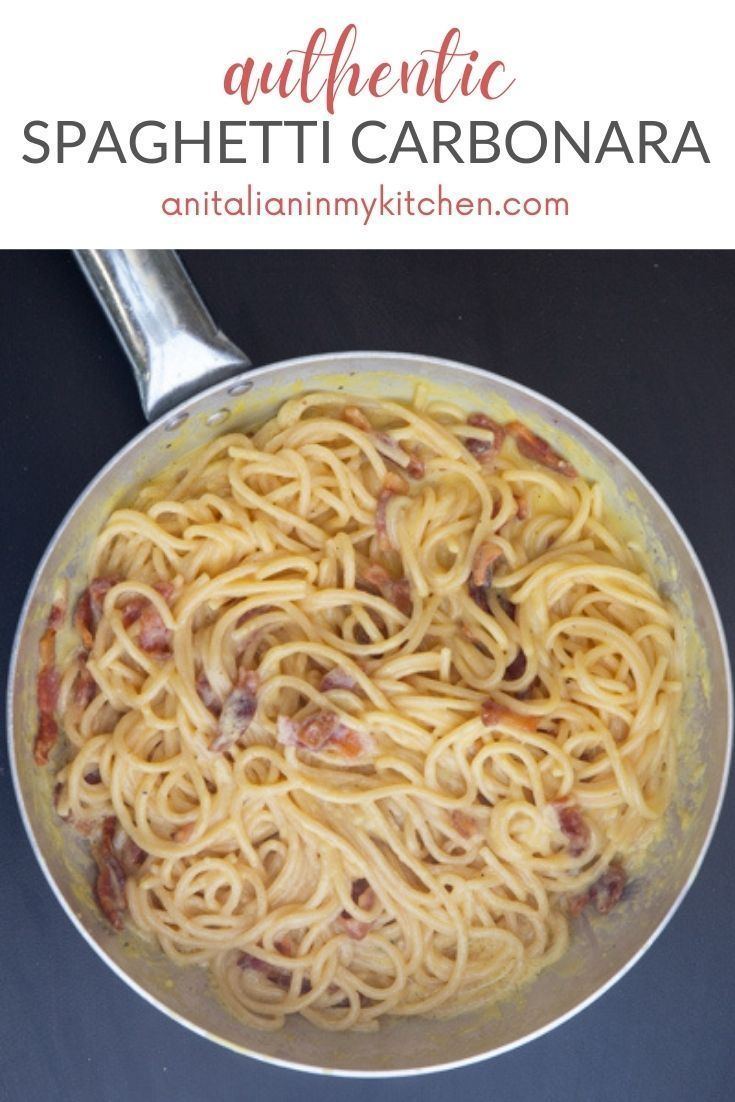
364 706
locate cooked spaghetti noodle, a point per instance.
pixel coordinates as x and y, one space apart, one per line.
367 705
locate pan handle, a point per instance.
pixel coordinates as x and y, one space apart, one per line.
174 346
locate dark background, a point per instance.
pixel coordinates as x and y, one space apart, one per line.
642 345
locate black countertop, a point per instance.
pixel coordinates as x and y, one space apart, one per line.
641 345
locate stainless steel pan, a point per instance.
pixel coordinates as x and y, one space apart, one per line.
179 356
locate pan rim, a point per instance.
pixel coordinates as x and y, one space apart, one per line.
332 362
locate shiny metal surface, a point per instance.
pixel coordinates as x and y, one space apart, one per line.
601 951
174 347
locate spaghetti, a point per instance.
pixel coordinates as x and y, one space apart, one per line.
367 705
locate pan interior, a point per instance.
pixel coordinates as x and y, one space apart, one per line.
599 950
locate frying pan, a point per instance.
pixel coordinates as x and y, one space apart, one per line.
195 383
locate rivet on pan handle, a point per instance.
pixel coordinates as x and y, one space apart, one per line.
173 345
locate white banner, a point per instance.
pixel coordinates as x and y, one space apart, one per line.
370 125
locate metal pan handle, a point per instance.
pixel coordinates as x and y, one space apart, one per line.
174 346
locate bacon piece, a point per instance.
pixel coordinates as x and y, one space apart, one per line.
48 733
82 826
127 851
83 620
494 713
48 689
390 449
252 613
354 416
88 611
353 927
507 606
47 647
207 695
237 711
536 448
398 453
393 484
574 827
122 845
337 678
362 894
110 891
312 734
132 610
153 635
131 855
486 556
400 595
605 893
47 685
166 589
183 833
481 575
482 421
416 468
278 976
385 444
117 857
56 615
365 898
478 595
464 824
577 903
323 731
136 606
351 743
99 588
85 687
516 668
93 776
248 679
608 890
397 591
521 506
468 634
110 883
285 945
484 451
